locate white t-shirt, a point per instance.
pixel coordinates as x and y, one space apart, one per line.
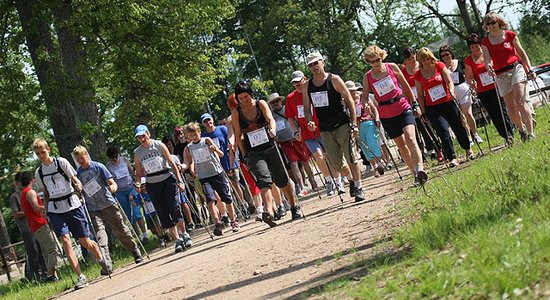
57 186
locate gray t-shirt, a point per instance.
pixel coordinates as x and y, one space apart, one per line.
284 131
153 162
207 164
15 205
121 174
95 186
57 186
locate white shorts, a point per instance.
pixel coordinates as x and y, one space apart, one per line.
463 95
506 80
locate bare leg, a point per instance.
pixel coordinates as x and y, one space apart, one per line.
276 195
67 247
267 198
513 110
415 155
287 190
467 112
405 152
297 175
518 91
186 212
213 211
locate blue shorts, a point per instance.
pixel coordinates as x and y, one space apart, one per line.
73 221
314 144
183 199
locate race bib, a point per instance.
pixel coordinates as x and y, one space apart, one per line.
358 110
454 77
320 99
437 92
201 155
149 208
415 92
300 111
216 142
91 187
384 86
281 124
486 79
120 173
61 187
258 137
152 165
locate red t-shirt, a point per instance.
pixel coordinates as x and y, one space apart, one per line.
436 90
35 219
410 80
503 54
485 82
294 108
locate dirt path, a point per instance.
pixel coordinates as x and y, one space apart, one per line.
292 258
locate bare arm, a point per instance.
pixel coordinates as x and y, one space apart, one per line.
168 158
213 147
237 131
268 116
487 60
77 184
469 74
306 102
139 172
187 159
113 187
522 54
373 110
32 197
420 93
449 81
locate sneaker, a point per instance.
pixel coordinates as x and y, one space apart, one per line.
251 209
187 242
454 162
162 242
330 188
81 283
225 220
49 279
303 193
268 219
179 246
380 169
416 182
218 229
190 227
106 268
341 188
137 256
470 154
523 135
296 212
286 204
352 189
359 196
259 218
477 138
472 143
281 211
246 214
389 166
235 226
531 136
422 177
433 154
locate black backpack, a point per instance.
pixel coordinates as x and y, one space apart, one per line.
60 171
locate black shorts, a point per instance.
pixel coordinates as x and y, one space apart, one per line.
166 201
217 183
394 126
267 167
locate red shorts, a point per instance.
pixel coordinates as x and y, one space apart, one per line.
254 190
295 151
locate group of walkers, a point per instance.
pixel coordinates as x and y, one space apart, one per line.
249 164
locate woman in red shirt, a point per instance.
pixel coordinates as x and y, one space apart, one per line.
477 76
436 98
505 59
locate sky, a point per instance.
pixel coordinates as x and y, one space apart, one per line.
509 13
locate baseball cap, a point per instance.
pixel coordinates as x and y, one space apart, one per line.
206 116
359 86
350 85
297 76
141 130
313 57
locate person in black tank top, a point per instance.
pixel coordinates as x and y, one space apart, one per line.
337 119
254 128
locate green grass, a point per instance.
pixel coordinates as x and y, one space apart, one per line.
481 232
23 289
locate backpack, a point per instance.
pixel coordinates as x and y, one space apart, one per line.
60 171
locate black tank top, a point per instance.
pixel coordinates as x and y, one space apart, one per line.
258 122
458 75
334 114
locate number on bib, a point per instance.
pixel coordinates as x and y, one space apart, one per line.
486 79
91 187
300 109
257 137
437 92
153 164
201 155
59 188
384 86
320 99
454 77
120 173
280 124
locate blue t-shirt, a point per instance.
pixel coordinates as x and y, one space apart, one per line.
219 137
96 190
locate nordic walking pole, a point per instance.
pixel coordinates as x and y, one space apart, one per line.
94 231
194 199
508 134
317 169
135 235
538 91
329 170
148 212
60 250
297 202
478 103
392 159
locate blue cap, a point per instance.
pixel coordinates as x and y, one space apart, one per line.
141 130
206 116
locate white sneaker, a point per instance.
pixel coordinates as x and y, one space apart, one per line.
81 283
478 139
330 188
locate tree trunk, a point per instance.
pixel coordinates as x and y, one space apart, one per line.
62 87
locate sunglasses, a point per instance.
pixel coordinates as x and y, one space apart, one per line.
207 120
311 64
445 55
275 101
490 23
373 61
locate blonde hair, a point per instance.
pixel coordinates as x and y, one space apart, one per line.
192 127
39 144
496 17
374 51
80 150
424 53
